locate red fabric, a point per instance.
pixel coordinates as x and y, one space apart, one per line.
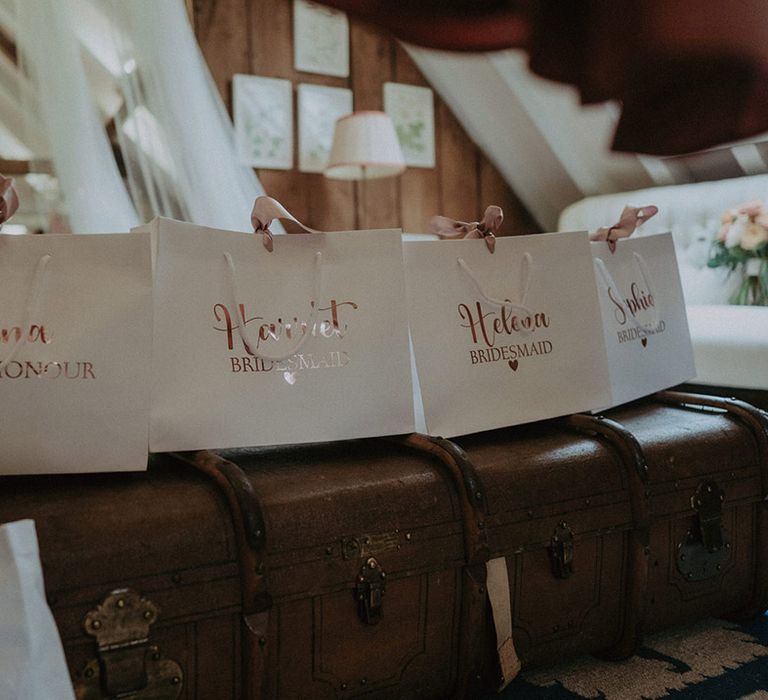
689 74
459 25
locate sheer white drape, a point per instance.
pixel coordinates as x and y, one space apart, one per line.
175 134
50 55
176 130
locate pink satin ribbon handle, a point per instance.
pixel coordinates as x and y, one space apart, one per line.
9 200
265 211
630 219
450 229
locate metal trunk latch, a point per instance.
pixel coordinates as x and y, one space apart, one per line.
707 502
369 591
706 546
561 551
127 665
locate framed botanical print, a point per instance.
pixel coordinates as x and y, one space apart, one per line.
319 108
412 111
263 112
320 39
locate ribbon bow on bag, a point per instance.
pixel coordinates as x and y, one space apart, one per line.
9 200
630 219
450 229
265 211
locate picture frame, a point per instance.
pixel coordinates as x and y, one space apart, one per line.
319 107
411 108
320 39
263 117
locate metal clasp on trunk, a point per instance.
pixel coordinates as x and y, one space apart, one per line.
127 666
369 591
561 551
708 504
706 546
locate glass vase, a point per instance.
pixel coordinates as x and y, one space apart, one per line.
753 290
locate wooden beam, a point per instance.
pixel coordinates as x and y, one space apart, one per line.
15 167
25 167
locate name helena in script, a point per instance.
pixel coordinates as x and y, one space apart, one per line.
486 326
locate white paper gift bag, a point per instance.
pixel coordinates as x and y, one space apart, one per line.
506 337
32 664
75 351
644 320
308 342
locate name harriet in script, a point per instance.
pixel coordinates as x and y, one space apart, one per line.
330 327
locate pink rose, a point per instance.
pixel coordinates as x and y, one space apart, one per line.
751 209
752 236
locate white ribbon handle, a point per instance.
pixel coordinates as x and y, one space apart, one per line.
525 283
645 274
251 346
33 302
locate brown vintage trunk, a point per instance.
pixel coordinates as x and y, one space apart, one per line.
319 571
552 484
707 463
359 568
360 584
166 537
614 526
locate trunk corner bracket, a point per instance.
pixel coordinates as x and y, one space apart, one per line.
126 665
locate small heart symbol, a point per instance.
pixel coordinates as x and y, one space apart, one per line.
289 377
644 342
513 365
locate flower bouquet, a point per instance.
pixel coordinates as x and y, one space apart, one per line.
742 246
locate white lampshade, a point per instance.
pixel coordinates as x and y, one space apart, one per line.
365 147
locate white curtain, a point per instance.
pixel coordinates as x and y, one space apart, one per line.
176 132
176 137
50 55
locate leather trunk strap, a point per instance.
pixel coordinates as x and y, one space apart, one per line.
250 534
460 473
635 466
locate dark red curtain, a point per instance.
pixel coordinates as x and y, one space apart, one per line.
689 74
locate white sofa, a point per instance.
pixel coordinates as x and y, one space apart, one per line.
730 342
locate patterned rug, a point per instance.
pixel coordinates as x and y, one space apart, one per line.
712 660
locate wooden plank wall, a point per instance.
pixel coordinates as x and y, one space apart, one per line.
255 36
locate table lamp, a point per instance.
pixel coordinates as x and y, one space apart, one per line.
365 147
